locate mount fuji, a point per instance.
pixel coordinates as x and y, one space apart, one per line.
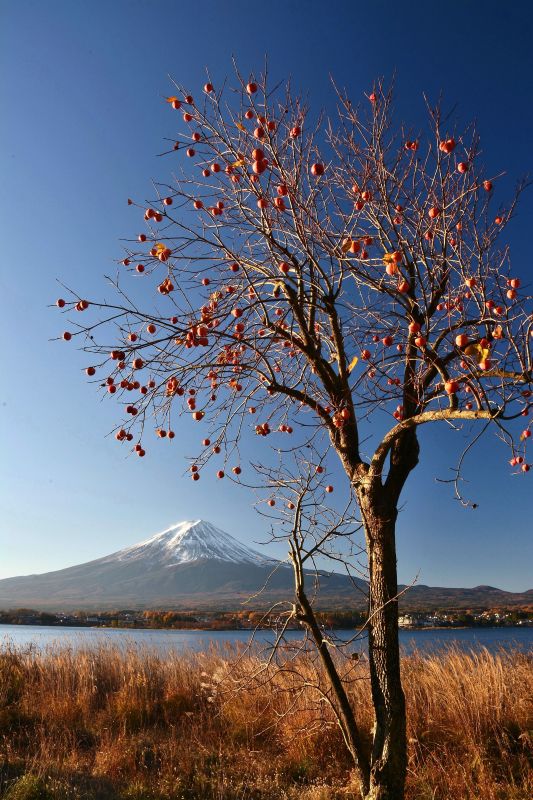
194 565
189 565
187 542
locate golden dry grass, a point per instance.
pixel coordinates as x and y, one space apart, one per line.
106 724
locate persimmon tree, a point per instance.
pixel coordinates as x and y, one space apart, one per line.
339 280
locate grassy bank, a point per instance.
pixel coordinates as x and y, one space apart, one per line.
109 724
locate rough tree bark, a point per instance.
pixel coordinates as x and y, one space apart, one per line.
389 748
381 771
382 768
378 501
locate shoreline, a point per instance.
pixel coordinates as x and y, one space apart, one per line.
251 630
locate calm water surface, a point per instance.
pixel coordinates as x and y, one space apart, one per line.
170 640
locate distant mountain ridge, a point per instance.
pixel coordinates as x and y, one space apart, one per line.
195 565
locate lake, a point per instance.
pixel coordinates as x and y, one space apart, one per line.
165 641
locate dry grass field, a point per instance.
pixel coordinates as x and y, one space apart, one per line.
111 724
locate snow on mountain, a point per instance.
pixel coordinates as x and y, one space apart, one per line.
190 563
196 565
189 541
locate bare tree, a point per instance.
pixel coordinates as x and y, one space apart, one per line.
340 281
316 534
316 670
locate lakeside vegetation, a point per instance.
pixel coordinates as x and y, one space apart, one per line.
248 620
107 724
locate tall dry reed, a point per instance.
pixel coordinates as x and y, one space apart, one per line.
138 725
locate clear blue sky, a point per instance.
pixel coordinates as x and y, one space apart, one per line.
81 122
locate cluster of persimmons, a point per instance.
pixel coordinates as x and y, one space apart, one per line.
246 330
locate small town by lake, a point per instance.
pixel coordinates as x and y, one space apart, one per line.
424 640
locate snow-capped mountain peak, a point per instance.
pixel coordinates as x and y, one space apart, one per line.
191 541
194 565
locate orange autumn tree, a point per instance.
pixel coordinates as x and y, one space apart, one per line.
335 277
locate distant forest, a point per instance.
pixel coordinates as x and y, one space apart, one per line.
246 620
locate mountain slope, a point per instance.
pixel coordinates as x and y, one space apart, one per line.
191 564
196 565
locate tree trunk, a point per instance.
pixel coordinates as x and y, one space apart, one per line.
389 749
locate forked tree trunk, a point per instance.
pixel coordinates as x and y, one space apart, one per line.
382 772
388 761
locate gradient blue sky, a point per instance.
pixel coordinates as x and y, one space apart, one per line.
82 118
